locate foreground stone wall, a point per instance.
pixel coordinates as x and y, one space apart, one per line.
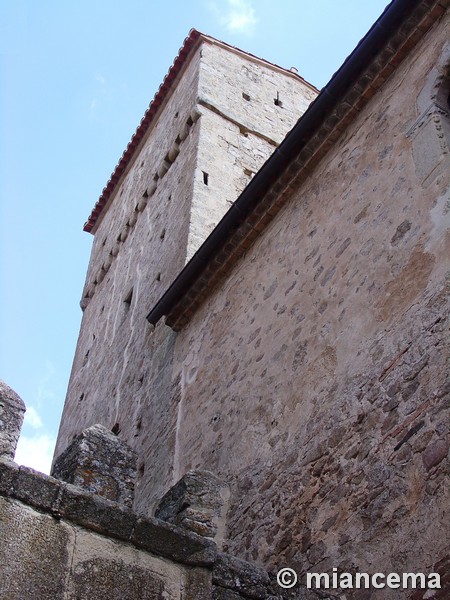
160 213
77 542
315 378
60 542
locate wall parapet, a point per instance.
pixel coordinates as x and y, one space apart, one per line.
211 574
100 462
12 410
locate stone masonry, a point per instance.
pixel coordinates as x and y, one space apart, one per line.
101 463
315 377
217 126
12 410
60 541
309 376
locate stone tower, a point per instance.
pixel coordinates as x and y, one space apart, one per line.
218 115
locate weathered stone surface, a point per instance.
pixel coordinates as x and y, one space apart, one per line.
224 594
174 543
99 462
50 547
34 555
206 126
198 585
8 473
36 489
314 371
198 503
313 378
12 409
435 453
240 576
95 512
110 580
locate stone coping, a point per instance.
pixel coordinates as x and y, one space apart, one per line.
232 578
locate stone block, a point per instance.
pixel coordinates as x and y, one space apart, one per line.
240 576
95 513
36 489
105 579
174 543
8 473
198 584
197 503
34 555
101 463
219 593
12 409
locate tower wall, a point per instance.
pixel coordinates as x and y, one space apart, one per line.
189 169
247 108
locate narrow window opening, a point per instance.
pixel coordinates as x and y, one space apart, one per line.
246 96
277 100
81 398
176 115
205 178
163 234
141 469
128 298
115 429
145 194
138 427
158 277
190 122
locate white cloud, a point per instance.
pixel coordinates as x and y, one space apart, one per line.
32 418
240 17
44 390
35 452
237 16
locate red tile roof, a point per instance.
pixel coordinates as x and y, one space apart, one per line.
188 45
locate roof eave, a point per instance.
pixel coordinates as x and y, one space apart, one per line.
350 88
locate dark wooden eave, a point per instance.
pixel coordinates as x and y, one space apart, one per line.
401 26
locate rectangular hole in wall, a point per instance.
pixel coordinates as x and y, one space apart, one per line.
246 96
277 100
205 178
128 298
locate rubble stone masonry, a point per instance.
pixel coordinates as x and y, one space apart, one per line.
197 157
314 380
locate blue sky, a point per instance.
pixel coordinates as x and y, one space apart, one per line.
75 79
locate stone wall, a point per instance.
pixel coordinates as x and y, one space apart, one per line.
191 165
59 541
247 108
315 378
